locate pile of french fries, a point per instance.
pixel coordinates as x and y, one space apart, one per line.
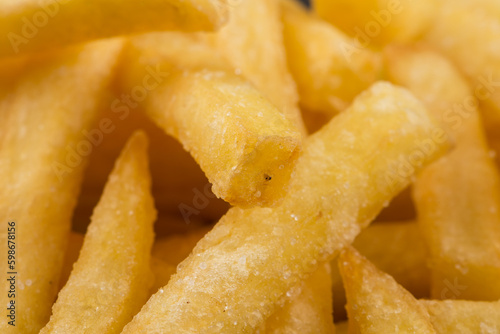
213 166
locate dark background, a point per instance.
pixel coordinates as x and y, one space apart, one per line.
307 2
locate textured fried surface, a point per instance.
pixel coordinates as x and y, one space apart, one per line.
239 272
376 303
111 278
458 197
44 111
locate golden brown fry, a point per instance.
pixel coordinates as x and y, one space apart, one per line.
458 197
252 41
245 146
328 71
463 316
34 26
308 311
396 248
111 278
241 269
467 31
43 151
376 303
378 22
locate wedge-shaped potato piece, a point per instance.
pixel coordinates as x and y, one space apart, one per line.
245 146
111 278
240 270
378 22
328 69
45 107
458 197
464 316
376 303
309 309
464 25
257 51
33 26
396 248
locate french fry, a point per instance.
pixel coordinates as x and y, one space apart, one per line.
376 303
458 197
329 71
374 23
245 146
54 98
174 249
309 311
464 25
33 26
386 245
162 271
257 51
342 327
463 316
240 270
102 297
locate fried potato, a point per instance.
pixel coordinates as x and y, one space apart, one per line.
387 245
458 197
375 22
257 51
34 26
342 327
328 70
463 316
75 243
376 303
245 146
46 109
240 270
111 278
309 309
467 32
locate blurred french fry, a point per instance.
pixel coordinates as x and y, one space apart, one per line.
396 248
111 278
458 197
162 271
463 316
309 310
45 112
34 26
467 31
240 270
342 327
376 303
245 146
75 243
373 23
328 73
257 51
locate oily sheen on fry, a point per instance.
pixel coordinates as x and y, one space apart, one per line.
240 271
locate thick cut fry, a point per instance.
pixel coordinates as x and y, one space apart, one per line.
72 251
111 278
396 248
257 51
328 70
467 32
464 316
309 311
378 22
245 146
42 153
458 197
376 303
33 26
241 269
